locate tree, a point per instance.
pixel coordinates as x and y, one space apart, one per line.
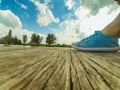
51 39
2 40
8 38
24 39
16 41
35 39
38 39
10 33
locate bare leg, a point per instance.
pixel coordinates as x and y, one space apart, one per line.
113 29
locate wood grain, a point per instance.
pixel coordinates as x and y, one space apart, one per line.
48 68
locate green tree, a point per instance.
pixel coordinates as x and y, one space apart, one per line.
51 39
24 39
35 39
10 33
2 40
38 39
8 38
16 41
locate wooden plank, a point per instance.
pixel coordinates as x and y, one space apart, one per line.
68 75
81 73
94 77
48 68
110 79
15 69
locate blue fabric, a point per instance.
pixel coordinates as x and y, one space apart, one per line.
97 40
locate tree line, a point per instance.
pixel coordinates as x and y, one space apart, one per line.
9 39
36 39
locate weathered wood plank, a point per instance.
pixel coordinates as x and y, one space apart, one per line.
47 68
94 77
110 79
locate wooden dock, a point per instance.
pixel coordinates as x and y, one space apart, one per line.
46 68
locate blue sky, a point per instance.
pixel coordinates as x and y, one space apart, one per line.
69 20
27 11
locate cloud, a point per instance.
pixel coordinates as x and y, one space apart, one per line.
45 16
22 5
73 30
95 5
89 19
69 31
97 22
70 4
19 32
9 19
47 1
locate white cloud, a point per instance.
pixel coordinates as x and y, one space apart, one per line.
19 32
22 5
75 30
47 1
95 5
97 22
70 4
69 32
45 16
9 19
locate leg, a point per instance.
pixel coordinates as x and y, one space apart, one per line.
113 29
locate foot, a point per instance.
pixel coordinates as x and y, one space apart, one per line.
97 42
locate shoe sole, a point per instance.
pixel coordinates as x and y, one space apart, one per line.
97 49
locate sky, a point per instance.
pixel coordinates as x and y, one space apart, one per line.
69 20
